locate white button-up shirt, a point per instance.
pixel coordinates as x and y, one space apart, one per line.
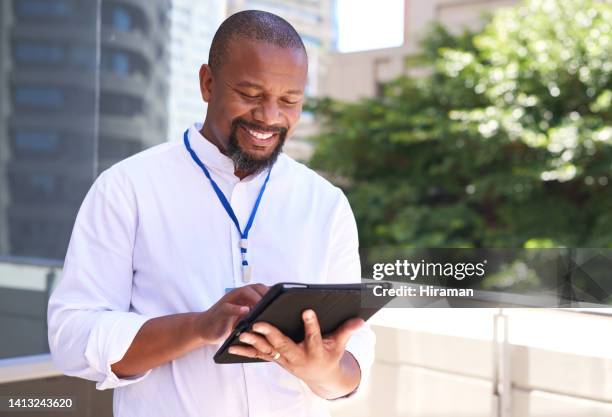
152 239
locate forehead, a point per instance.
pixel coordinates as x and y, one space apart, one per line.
264 64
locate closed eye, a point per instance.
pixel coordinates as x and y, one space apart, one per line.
291 102
248 96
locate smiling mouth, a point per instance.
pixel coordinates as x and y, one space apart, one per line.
259 136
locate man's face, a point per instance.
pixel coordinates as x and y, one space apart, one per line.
254 100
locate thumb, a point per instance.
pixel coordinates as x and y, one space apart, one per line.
344 332
232 313
231 309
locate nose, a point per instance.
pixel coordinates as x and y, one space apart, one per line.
267 113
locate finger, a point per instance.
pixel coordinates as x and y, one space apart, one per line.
251 352
258 342
232 313
344 332
261 289
312 331
247 295
248 351
243 295
231 309
281 343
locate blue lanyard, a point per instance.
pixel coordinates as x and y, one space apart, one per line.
244 235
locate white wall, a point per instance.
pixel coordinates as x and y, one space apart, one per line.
441 363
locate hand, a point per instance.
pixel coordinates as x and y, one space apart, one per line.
215 324
321 362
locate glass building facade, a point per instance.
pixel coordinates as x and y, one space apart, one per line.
83 84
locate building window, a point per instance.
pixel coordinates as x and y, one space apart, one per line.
44 97
42 183
163 18
121 63
37 142
124 63
121 105
83 57
43 8
117 62
122 20
33 52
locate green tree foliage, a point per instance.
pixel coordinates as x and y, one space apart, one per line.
507 143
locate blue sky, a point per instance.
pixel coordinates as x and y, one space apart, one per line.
369 24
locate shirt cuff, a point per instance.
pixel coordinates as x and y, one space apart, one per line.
108 342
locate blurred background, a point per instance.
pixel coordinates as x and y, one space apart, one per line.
448 123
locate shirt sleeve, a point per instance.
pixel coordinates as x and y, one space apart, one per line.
345 267
89 319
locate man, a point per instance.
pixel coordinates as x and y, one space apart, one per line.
173 245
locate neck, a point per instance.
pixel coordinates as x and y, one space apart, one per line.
207 134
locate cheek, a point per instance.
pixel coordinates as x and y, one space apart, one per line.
229 111
293 117
237 109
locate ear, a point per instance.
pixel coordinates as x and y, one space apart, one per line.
205 82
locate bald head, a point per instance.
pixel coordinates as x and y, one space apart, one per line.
254 25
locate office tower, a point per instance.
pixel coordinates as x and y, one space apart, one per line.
134 72
84 85
193 25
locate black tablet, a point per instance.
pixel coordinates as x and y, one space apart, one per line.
283 304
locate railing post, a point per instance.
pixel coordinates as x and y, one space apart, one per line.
502 377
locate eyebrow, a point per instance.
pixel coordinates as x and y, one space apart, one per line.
247 84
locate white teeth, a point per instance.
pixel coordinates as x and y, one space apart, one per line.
260 135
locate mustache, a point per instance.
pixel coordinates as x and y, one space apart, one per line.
256 126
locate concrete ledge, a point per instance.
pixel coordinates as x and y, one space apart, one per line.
545 404
27 368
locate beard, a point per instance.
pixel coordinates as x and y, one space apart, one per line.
244 161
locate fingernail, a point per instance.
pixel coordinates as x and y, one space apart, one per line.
232 350
260 329
246 338
309 314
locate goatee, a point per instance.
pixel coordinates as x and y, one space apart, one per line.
245 162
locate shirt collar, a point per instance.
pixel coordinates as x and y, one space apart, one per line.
212 157
208 153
